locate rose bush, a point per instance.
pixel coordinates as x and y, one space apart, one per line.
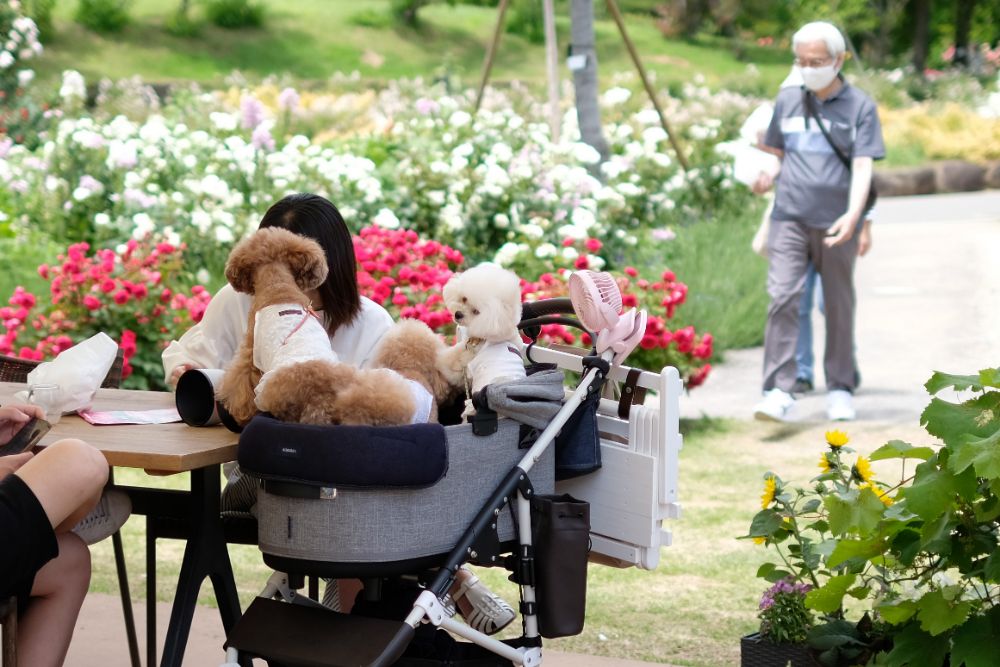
130 293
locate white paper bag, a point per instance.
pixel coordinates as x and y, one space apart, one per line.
79 371
750 162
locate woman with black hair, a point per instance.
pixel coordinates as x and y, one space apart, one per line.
355 325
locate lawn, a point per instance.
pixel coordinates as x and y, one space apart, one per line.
691 611
313 39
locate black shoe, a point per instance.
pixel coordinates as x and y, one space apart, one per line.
802 386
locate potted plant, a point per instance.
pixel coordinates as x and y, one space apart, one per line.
902 573
784 625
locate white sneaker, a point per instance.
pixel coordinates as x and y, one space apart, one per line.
110 513
840 406
775 406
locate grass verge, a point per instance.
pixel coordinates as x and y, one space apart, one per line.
312 39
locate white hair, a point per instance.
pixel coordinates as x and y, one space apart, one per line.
820 31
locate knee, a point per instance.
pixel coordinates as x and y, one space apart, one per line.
87 461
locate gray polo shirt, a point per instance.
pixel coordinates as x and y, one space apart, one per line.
814 185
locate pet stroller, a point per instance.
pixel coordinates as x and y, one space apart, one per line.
402 508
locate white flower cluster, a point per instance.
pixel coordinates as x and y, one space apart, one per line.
493 184
18 43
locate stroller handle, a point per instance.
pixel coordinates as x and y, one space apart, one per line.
557 306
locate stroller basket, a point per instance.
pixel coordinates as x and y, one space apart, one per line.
380 523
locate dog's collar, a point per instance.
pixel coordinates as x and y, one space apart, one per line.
307 313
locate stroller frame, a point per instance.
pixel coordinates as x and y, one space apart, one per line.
626 519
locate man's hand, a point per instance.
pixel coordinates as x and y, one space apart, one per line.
841 231
13 417
176 374
10 464
764 182
865 238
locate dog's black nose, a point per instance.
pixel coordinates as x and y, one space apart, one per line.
459 315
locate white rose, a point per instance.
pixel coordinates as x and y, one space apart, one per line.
6 59
386 219
102 219
25 77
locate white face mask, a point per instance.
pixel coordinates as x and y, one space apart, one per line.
818 78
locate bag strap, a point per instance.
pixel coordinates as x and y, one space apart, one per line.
811 110
632 393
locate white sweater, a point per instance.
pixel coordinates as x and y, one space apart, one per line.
212 343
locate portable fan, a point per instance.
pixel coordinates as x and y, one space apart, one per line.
598 303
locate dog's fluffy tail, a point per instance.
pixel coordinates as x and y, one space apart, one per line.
411 349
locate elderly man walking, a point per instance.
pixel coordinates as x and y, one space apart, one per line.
827 133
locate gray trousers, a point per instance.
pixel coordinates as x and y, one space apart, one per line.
791 246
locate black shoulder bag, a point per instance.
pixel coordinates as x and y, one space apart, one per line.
811 110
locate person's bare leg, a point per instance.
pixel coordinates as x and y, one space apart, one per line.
46 624
67 478
348 590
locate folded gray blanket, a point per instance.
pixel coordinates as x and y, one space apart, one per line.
533 400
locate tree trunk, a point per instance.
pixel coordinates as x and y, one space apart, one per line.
963 25
588 112
921 34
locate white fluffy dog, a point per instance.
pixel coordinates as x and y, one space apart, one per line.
486 304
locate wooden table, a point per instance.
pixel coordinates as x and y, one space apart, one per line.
190 515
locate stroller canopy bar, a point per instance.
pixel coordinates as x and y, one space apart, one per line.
412 456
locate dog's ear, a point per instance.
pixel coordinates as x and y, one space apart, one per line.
307 262
242 262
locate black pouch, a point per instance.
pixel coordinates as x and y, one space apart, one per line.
578 445
560 533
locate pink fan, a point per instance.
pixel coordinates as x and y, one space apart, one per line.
598 303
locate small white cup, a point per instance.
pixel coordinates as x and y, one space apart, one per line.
46 396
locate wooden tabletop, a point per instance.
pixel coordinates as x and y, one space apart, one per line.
161 447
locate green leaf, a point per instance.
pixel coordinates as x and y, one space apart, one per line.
829 597
855 512
983 454
850 549
914 648
765 523
974 644
932 491
937 614
837 632
897 449
990 377
765 569
811 506
952 422
774 576
936 535
897 612
991 571
941 381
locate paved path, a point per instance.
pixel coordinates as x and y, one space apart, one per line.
928 299
99 640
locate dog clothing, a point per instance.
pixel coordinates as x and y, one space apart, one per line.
287 334
496 361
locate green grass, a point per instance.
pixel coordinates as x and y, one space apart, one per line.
690 611
725 279
312 39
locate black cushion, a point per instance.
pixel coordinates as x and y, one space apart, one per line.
344 456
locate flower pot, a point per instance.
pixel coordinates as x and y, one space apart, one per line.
758 652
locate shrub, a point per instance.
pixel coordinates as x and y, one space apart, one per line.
233 14
526 20
103 15
130 293
40 12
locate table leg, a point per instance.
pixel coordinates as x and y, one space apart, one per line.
205 555
150 591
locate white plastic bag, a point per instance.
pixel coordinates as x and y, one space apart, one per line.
79 371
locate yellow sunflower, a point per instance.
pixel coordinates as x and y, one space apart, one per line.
836 439
759 540
862 470
770 490
824 463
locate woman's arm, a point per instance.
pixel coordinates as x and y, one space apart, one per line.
212 342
